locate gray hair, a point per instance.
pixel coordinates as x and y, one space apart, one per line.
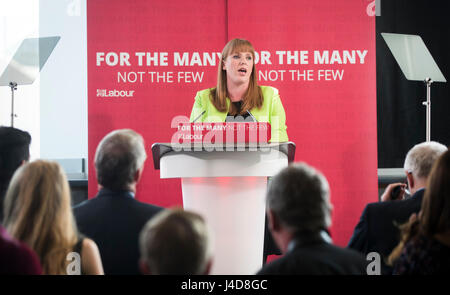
176 242
120 154
421 158
299 197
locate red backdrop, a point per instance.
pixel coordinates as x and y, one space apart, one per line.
331 113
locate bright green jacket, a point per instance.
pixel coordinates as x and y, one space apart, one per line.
272 111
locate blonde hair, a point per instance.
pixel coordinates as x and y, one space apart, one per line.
253 96
38 212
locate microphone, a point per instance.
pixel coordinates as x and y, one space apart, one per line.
254 119
199 116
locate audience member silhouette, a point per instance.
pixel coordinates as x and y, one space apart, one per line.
14 151
425 245
378 228
299 214
38 213
175 242
114 218
16 258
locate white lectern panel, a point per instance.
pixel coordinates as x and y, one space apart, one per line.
234 208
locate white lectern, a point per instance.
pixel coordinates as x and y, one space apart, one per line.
227 187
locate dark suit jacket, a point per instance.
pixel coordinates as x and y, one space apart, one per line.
377 229
2 200
317 257
114 219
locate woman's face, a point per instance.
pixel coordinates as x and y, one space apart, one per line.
238 66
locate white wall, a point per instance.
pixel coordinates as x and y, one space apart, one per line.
54 108
63 92
19 20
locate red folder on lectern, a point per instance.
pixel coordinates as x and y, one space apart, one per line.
213 133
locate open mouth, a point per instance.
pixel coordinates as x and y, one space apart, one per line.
242 71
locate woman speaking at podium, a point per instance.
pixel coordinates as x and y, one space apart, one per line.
238 94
